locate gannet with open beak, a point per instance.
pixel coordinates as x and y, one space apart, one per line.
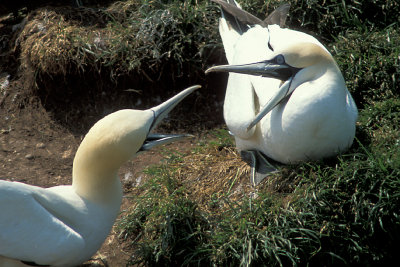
65 225
285 96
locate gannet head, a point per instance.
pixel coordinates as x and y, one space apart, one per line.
283 64
302 55
292 64
117 138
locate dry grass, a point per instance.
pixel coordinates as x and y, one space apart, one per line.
216 173
207 173
199 207
55 41
152 39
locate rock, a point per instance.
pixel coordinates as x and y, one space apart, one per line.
40 145
29 156
128 177
67 153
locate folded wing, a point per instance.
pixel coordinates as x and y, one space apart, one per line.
29 230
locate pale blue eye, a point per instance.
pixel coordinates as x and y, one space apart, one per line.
280 59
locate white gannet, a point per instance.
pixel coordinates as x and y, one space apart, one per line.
65 225
285 96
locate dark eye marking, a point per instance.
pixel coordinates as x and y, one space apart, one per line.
280 59
269 40
270 47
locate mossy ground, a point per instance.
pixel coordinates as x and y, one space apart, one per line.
198 207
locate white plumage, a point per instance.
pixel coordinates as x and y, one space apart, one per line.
285 96
65 225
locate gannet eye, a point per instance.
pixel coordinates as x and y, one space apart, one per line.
280 59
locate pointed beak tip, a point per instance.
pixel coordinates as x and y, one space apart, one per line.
182 136
251 125
211 69
161 111
195 87
186 135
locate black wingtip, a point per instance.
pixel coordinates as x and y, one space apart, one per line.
278 16
239 19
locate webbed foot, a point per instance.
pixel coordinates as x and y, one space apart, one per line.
260 167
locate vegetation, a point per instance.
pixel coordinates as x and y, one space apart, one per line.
198 208
340 211
130 52
153 39
158 39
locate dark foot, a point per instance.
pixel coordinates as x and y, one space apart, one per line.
260 167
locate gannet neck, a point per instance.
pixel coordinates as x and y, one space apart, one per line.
65 225
111 142
240 106
114 140
285 96
314 63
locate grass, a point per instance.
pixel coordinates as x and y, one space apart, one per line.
370 63
156 40
342 211
198 208
143 38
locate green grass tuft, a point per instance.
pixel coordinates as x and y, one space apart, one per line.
166 222
339 211
370 63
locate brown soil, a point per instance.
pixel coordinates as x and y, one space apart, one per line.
37 150
41 130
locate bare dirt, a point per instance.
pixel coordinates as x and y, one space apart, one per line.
39 138
37 150
42 124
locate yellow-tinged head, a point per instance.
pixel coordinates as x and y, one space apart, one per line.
294 64
284 63
115 139
303 55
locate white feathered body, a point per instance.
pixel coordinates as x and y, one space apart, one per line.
316 121
52 226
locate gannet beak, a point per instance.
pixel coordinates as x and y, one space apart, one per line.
266 68
281 93
160 112
153 140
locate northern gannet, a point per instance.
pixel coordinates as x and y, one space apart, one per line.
285 96
65 225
